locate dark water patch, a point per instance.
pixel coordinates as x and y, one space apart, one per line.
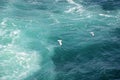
111 5
117 32
87 63
110 74
105 4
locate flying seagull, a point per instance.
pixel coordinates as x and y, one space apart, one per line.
60 42
92 33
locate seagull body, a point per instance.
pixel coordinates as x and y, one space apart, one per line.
60 42
92 33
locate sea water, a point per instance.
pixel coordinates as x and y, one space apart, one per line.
89 31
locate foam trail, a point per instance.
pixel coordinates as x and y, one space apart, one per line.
72 2
16 62
17 65
3 23
105 15
77 8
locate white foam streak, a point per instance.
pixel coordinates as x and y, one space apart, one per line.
14 24
105 15
78 8
3 23
70 10
18 65
55 20
72 2
15 33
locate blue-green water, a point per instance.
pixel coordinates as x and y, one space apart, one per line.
30 30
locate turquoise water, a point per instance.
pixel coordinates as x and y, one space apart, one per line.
29 34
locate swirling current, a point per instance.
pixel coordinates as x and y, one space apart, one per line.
30 31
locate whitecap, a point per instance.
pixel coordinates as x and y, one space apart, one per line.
3 23
14 33
72 2
77 8
14 24
18 65
105 15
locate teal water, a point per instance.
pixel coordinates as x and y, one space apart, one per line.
29 34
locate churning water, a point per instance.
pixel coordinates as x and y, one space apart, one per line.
30 31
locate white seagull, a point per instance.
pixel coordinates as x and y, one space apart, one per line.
92 33
60 42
